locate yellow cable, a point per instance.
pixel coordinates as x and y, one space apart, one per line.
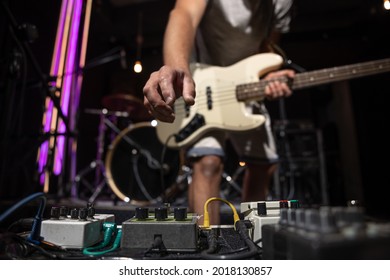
206 216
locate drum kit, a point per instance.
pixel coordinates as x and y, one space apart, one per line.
133 165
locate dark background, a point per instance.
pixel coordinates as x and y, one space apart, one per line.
323 34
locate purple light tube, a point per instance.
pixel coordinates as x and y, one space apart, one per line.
68 84
43 153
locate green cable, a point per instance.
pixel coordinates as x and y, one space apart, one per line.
109 231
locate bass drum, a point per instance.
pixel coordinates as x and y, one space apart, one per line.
133 166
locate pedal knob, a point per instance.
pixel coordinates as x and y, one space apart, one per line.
55 212
91 212
64 212
141 213
312 220
292 217
300 218
327 220
180 213
74 214
261 209
161 213
283 204
83 213
283 216
294 204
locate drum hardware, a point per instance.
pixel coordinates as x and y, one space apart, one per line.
122 102
97 164
133 171
230 184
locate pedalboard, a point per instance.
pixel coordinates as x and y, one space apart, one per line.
74 229
325 233
177 231
261 213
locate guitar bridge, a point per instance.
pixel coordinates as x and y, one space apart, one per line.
196 122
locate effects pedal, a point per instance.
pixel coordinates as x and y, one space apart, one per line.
80 229
177 232
326 233
261 213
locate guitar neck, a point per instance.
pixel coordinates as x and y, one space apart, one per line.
255 91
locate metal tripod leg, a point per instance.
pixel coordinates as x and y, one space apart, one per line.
99 185
96 165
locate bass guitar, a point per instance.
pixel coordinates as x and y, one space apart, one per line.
223 92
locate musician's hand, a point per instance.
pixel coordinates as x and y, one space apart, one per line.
277 89
163 88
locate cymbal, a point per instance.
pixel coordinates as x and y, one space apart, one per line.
127 103
106 112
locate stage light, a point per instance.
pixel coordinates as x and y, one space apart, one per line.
138 66
386 4
139 40
66 60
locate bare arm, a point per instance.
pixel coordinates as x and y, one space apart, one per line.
174 78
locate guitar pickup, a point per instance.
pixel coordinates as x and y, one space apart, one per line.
209 99
196 122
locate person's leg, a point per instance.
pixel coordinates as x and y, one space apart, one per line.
205 183
206 159
257 148
256 182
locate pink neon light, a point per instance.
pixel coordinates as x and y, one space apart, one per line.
60 37
49 111
67 85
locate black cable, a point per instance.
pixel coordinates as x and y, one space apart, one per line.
25 223
158 245
253 250
212 242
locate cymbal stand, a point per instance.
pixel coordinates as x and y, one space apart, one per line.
97 164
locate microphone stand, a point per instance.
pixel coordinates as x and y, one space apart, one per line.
48 90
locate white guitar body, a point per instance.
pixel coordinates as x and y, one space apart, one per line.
216 105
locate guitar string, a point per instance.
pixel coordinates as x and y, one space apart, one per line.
313 77
310 78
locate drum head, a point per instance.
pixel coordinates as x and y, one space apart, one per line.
133 165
